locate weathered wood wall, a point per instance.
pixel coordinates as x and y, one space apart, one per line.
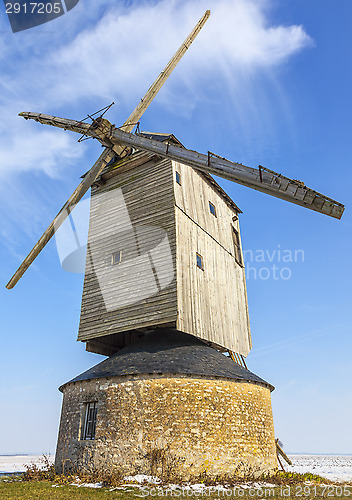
159 226
212 303
132 213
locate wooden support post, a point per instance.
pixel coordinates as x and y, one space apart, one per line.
280 463
237 358
281 452
244 362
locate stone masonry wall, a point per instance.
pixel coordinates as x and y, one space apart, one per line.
155 424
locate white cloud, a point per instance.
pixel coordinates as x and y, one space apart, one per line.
240 37
119 56
126 50
24 148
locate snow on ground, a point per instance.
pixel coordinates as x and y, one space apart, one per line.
18 463
333 467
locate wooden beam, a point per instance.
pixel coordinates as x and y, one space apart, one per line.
270 182
136 115
281 452
264 180
237 358
280 463
243 361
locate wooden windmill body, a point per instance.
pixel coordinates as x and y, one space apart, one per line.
163 251
164 297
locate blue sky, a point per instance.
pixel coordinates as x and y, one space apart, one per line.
266 82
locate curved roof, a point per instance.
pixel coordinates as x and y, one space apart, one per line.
166 350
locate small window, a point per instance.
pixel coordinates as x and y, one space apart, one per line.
90 421
200 261
212 209
116 257
178 178
237 247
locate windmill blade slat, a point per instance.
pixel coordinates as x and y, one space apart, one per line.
83 187
283 184
300 194
309 197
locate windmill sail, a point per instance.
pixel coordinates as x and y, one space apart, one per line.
164 75
83 187
144 103
261 179
101 129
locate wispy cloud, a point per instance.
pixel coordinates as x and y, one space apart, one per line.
237 37
119 56
24 147
103 51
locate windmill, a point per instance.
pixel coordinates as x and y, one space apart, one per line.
164 294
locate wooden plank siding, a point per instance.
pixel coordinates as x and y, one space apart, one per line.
157 226
133 212
212 303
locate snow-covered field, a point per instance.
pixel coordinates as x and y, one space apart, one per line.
333 467
17 463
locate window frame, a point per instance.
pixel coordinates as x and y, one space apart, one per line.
237 246
178 177
89 421
113 260
198 256
212 206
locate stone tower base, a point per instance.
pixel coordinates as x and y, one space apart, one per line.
214 420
